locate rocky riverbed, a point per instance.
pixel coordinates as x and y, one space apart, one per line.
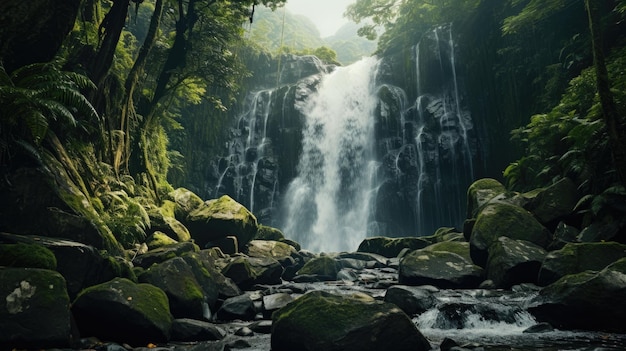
213 279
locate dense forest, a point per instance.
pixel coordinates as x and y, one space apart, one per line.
116 97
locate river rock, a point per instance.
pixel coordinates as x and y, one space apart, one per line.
411 300
322 321
35 312
502 219
122 311
238 307
588 300
323 267
554 202
480 193
579 257
216 219
391 247
513 262
248 271
270 248
439 268
226 287
563 234
191 330
183 291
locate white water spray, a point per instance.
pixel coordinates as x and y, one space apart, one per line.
327 204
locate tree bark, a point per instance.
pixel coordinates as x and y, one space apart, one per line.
614 124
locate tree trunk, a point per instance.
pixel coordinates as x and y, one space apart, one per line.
614 124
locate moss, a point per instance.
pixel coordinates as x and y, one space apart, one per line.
27 256
323 265
480 192
159 239
460 248
268 233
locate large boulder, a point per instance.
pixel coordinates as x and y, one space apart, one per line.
578 257
239 307
217 219
502 219
191 330
35 312
185 200
512 262
479 194
412 300
177 280
554 202
588 300
164 253
439 268
322 321
249 271
122 311
163 219
270 248
460 248
323 267
391 247
27 256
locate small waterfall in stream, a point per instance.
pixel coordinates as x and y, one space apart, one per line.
327 204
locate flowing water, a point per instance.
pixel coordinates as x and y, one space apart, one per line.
327 204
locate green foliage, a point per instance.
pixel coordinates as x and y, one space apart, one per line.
534 11
125 216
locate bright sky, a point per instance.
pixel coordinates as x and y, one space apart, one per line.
326 14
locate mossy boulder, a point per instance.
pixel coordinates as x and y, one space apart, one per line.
391 247
513 262
554 202
35 312
123 311
164 253
177 280
159 239
163 219
269 233
588 300
324 267
502 219
480 193
27 256
217 219
460 248
322 321
249 271
185 201
439 268
270 248
578 257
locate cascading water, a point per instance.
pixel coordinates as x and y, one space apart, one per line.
327 204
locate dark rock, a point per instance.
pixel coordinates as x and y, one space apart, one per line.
185 200
275 301
27 256
194 330
447 344
35 310
343 323
479 194
539 328
249 271
122 311
238 307
598 296
554 202
163 219
579 257
177 280
391 247
439 268
164 253
270 248
600 231
501 219
228 244
513 262
262 326
268 233
458 247
563 234
454 315
410 300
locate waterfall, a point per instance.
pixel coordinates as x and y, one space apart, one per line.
327 205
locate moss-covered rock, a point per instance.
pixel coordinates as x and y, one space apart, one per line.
35 312
502 219
216 219
164 253
479 194
588 300
159 239
122 311
323 266
439 268
514 262
269 233
27 256
177 280
391 247
322 321
248 271
554 202
269 248
458 247
185 200
578 257
162 219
